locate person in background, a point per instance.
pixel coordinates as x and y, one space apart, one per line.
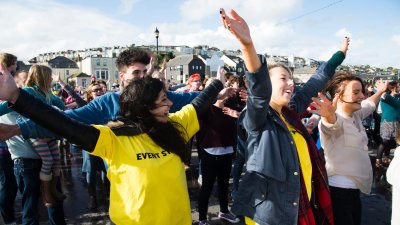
390 119
216 139
27 168
345 143
115 86
20 78
91 163
393 177
193 84
39 84
285 180
103 85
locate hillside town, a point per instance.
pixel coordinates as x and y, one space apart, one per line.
78 66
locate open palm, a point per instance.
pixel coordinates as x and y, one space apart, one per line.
237 26
324 107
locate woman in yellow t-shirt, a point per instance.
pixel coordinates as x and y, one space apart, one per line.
144 148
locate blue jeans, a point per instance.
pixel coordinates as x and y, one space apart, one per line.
8 188
26 172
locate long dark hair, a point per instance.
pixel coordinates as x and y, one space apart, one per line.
136 101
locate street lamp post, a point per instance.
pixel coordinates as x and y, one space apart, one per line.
157 33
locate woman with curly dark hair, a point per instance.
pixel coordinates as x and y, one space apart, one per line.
143 149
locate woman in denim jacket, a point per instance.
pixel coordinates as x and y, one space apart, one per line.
285 182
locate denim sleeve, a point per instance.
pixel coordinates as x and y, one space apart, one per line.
180 99
301 99
260 91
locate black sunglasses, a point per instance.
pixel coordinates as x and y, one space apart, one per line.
97 90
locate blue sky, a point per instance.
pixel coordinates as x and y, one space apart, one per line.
31 27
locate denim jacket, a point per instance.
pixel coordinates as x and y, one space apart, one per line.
99 111
270 189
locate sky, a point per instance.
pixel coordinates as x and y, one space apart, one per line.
305 28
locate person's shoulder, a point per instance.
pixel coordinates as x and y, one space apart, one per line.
110 96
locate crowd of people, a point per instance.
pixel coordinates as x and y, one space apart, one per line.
141 134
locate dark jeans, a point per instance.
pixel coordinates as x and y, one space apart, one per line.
214 167
8 188
26 172
346 205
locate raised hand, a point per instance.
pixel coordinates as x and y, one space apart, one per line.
243 95
230 112
221 74
325 108
237 26
8 88
345 45
381 85
226 93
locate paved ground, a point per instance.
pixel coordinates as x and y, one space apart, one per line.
376 207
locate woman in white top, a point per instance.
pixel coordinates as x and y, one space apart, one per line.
344 141
393 177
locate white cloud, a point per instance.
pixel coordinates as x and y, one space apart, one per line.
40 27
255 11
126 6
396 39
343 33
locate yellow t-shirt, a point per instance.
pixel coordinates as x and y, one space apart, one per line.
148 184
304 156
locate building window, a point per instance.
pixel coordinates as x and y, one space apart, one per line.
199 67
102 74
116 75
67 72
84 83
97 62
193 67
105 62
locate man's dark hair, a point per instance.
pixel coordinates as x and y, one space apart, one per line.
136 101
130 56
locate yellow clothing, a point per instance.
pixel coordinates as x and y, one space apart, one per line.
249 221
148 184
304 156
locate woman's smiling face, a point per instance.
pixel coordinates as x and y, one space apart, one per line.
282 86
162 106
